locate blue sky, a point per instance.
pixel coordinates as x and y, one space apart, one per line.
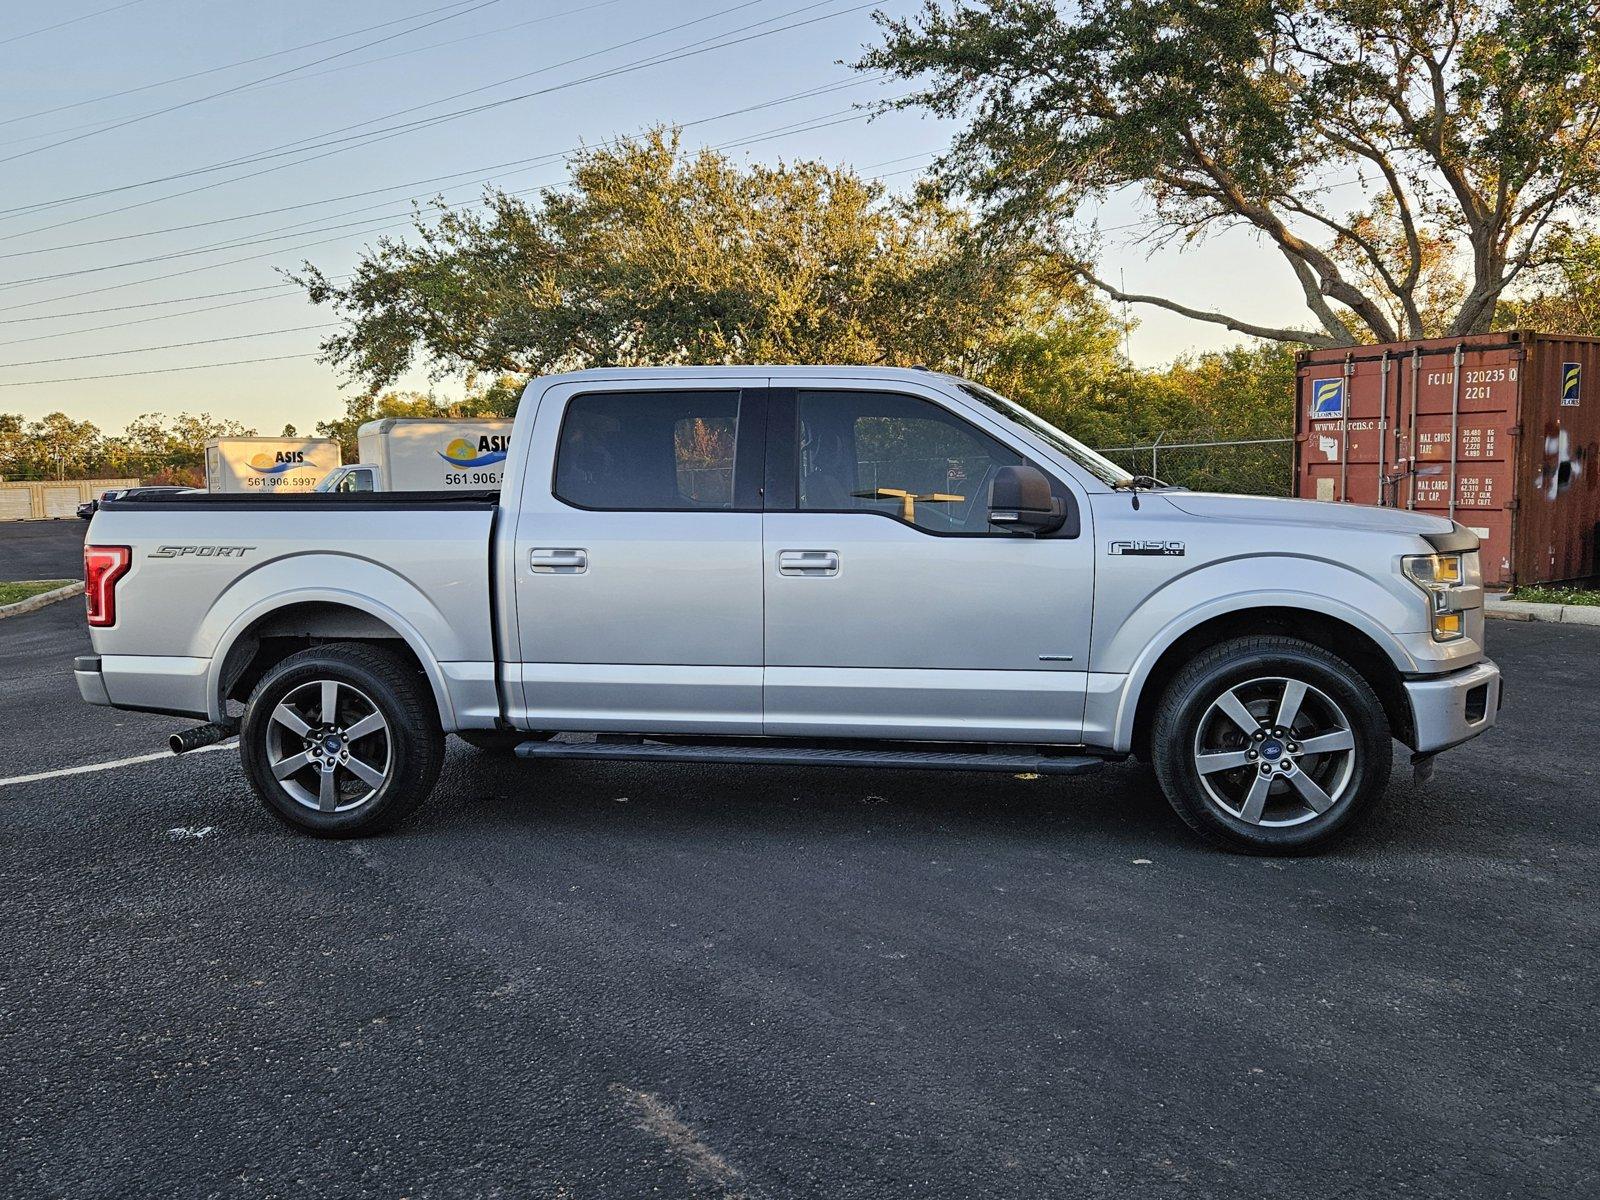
329 146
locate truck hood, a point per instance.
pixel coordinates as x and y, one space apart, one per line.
1306 512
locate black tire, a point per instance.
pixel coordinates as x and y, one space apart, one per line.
499 741
1300 800
367 680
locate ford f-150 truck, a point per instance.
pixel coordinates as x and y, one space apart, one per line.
831 566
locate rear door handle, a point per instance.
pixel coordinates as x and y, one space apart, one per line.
559 561
808 562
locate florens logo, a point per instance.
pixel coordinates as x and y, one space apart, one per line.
487 450
278 461
1327 398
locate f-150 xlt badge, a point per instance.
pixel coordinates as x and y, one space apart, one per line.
1156 549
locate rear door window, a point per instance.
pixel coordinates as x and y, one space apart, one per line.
649 451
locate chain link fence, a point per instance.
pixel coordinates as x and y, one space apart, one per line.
1256 466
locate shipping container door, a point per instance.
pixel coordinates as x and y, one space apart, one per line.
1464 442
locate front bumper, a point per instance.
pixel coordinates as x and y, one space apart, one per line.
91 683
1456 707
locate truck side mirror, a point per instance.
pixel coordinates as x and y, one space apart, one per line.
1020 498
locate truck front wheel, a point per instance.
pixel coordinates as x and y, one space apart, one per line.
1271 745
341 740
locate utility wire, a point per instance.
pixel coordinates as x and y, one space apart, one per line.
188 312
297 229
471 37
473 173
17 37
244 62
374 136
380 228
91 312
279 357
299 145
238 337
171 108
238 362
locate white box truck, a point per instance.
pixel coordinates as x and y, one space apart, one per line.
253 465
402 454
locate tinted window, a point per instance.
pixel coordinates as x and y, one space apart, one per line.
648 450
909 458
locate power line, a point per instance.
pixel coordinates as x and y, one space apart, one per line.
212 71
373 136
387 225
471 37
171 108
17 37
238 362
188 312
238 337
810 124
567 62
243 337
284 149
472 172
245 62
269 333
90 312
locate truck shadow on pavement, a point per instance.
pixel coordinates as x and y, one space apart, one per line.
1121 805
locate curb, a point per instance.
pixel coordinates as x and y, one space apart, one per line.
1559 614
40 601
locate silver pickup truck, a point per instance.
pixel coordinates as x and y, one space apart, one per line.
830 566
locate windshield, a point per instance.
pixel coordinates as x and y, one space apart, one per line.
1100 467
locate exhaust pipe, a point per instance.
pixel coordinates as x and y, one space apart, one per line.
202 735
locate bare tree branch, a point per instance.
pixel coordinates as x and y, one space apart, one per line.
1249 328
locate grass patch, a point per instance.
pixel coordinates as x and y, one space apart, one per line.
1557 595
11 593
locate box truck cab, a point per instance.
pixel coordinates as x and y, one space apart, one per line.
406 455
255 465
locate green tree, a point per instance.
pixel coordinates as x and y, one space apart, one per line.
157 447
498 399
57 447
1474 122
1564 297
657 256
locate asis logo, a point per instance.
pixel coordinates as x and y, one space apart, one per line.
278 461
487 450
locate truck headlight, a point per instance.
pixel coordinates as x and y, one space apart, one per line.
1438 575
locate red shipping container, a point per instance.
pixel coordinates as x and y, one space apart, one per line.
1499 431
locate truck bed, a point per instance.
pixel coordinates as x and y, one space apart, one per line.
307 502
206 570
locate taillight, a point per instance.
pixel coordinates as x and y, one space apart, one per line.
102 567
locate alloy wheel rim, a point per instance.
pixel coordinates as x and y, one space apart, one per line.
329 746
1275 752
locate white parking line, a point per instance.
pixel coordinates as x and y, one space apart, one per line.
111 766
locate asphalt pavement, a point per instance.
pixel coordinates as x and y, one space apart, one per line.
604 980
42 549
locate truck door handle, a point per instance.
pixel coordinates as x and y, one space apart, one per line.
808 562
559 562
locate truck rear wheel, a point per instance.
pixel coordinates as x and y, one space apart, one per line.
1271 745
341 740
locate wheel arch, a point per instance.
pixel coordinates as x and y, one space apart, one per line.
273 628
1356 646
